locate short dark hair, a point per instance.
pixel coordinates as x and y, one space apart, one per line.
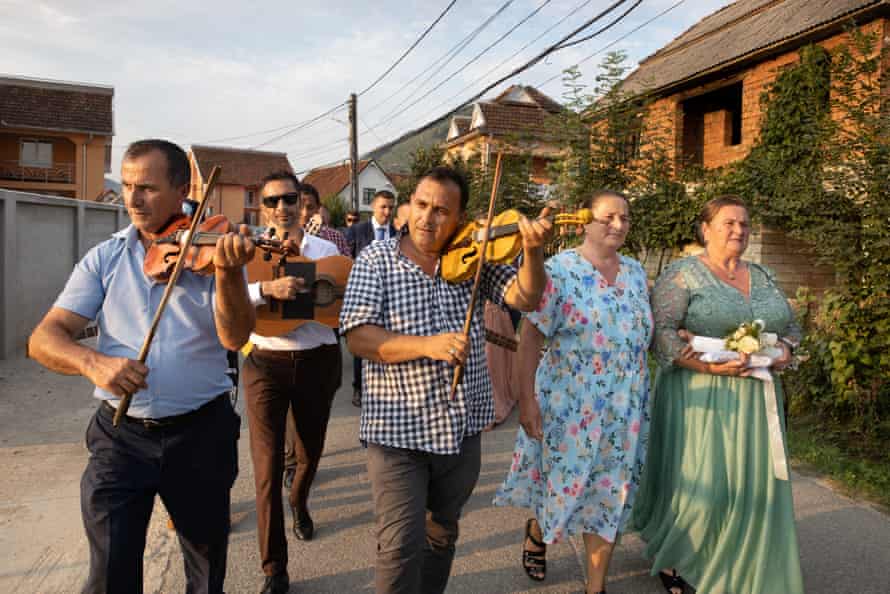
384 194
712 207
444 174
179 171
352 213
281 175
311 190
597 195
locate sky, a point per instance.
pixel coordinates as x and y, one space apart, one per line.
221 72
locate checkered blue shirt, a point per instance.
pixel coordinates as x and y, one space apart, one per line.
406 405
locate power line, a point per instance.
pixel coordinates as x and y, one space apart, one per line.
513 55
302 126
518 70
453 52
270 130
595 33
396 110
613 43
474 58
408 51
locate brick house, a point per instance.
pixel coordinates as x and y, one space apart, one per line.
55 137
706 85
237 191
335 181
513 122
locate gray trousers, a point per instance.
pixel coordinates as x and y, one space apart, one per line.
418 498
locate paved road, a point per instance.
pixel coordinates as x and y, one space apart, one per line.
845 545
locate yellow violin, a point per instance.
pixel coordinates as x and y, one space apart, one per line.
461 257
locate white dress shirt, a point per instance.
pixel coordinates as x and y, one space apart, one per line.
311 334
375 225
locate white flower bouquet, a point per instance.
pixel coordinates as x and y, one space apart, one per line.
749 338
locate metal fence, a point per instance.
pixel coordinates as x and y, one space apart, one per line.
41 238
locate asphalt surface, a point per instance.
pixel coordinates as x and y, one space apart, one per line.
845 544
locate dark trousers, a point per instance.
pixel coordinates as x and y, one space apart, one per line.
306 381
191 465
418 498
357 374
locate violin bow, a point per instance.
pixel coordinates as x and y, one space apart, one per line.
468 321
124 404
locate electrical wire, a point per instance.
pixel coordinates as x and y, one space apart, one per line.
474 58
452 53
518 70
616 41
408 51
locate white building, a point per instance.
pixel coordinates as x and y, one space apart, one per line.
336 180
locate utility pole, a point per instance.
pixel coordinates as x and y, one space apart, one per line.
353 149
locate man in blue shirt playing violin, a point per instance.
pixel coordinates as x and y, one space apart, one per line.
179 437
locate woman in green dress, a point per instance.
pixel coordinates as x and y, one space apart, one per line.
710 507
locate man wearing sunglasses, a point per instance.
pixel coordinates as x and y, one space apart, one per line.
301 369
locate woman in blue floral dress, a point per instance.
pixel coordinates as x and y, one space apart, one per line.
584 396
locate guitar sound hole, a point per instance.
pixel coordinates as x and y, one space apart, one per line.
323 293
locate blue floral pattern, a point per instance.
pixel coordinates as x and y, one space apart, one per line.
593 388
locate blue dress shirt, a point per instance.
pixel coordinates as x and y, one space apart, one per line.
187 363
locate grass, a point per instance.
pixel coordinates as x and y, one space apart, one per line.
839 456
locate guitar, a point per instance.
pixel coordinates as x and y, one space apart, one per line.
321 302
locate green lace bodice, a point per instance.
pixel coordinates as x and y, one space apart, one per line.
688 295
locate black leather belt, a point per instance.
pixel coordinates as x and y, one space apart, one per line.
169 422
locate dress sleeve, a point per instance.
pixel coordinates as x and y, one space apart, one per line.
548 314
670 298
792 329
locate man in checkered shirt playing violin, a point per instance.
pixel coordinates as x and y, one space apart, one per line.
405 321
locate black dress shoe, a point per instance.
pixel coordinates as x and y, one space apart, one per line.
304 528
276 584
288 481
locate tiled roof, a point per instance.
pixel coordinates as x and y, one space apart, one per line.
518 110
240 167
332 180
462 123
51 105
512 118
734 32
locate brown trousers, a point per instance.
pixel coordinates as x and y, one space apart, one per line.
273 380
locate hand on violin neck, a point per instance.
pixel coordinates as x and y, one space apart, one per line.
234 250
291 245
535 233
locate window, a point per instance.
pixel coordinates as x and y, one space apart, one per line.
711 122
107 158
36 154
249 197
368 195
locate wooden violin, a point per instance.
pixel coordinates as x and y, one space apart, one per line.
166 248
461 257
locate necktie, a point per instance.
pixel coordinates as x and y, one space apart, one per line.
381 233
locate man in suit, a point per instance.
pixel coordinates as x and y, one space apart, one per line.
378 228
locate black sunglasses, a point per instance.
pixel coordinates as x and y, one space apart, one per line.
290 199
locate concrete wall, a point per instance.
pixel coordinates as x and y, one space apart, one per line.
42 238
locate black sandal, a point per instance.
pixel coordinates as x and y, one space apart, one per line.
672 581
534 562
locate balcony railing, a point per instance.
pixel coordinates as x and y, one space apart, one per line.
57 172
